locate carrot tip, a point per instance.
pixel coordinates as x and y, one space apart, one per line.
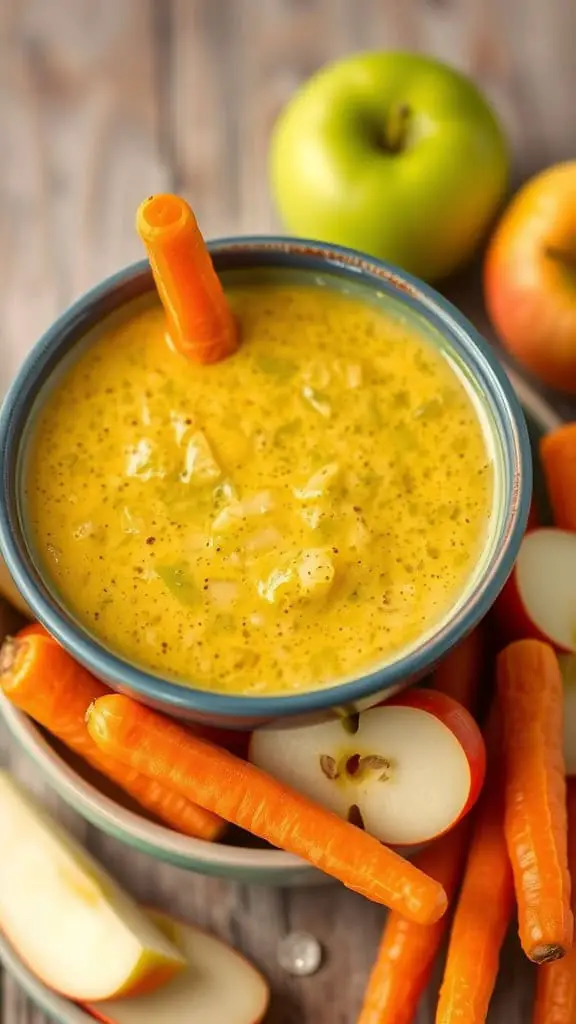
163 214
546 954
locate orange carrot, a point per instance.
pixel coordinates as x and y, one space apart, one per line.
459 674
232 739
484 909
531 698
408 950
558 457
200 322
41 679
556 982
244 795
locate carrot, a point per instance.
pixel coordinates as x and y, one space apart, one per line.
484 909
459 674
244 795
558 457
232 739
41 679
556 982
408 950
200 322
531 698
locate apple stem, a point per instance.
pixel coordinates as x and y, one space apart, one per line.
395 128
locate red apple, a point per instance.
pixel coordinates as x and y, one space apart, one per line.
413 768
530 276
219 987
539 599
66 917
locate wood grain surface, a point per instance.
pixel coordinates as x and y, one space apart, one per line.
104 101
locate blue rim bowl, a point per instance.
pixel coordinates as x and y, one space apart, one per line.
497 403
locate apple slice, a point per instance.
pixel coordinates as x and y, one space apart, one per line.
414 767
567 664
68 920
539 599
219 987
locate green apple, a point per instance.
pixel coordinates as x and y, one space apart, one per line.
394 154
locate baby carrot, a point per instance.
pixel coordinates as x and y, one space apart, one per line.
41 679
556 982
200 322
558 458
531 698
244 795
459 674
408 950
484 909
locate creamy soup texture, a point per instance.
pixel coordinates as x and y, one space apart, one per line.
269 524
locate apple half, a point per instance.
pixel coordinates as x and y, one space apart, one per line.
66 917
219 987
414 767
539 599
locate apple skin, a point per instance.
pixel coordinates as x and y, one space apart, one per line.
530 277
460 722
424 207
179 932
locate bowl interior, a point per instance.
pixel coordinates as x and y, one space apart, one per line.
473 361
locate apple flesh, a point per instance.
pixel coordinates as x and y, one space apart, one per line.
530 277
218 987
395 154
414 767
68 920
539 599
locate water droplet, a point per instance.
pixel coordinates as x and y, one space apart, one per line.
299 953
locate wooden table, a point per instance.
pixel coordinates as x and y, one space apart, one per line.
104 101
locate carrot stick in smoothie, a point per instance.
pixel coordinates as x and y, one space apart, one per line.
200 322
246 796
39 677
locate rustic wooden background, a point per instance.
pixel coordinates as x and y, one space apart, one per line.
105 101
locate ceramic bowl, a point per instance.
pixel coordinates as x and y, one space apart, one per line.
496 402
